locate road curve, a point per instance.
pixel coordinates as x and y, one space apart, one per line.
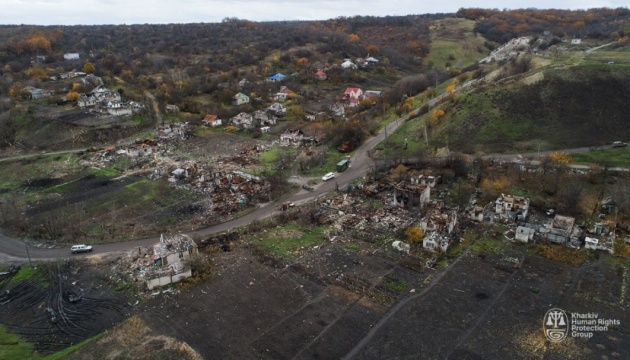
359 165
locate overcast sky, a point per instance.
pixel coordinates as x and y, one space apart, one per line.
88 12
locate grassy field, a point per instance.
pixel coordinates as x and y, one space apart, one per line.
607 157
518 118
289 240
454 44
330 164
621 56
13 347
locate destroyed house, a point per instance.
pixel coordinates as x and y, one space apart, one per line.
243 121
168 260
435 242
86 101
411 194
31 92
103 94
512 207
562 230
291 137
439 220
263 118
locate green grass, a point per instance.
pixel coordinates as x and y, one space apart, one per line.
287 241
394 284
608 157
457 40
144 189
486 245
27 272
352 246
14 347
604 55
270 156
65 352
330 164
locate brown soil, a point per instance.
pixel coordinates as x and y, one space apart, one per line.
67 303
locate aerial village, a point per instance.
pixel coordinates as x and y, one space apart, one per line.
410 198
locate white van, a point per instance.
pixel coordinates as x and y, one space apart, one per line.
81 248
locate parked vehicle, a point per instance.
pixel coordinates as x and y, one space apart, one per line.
619 144
81 248
286 205
328 176
342 165
306 187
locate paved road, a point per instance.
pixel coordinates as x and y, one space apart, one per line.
359 165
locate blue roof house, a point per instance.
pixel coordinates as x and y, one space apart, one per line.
276 77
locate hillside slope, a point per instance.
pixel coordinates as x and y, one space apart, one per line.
584 105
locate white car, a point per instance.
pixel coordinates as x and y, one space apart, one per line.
328 176
81 248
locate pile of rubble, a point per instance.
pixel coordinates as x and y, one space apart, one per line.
229 188
162 263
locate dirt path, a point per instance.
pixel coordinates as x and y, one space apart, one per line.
392 311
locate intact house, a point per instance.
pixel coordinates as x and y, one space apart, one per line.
353 96
283 94
168 260
512 207
320 75
276 77
34 93
243 121
277 109
212 120
71 56
411 194
172 108
240 99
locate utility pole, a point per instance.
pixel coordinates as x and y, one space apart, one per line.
27 253
426 137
